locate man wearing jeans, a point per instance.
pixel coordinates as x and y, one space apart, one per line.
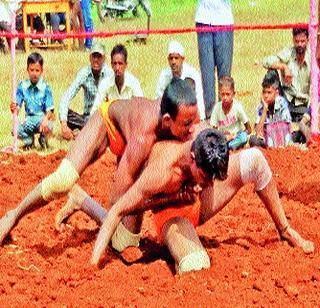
215 48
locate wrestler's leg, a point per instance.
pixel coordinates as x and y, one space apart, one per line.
184 245
250 166
88 144
80 200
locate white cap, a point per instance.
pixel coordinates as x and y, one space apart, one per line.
176 47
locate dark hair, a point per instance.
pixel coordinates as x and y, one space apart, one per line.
33 58
211 153
296 31
226 81
178 92
119 49
271 79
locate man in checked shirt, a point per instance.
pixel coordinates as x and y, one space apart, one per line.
88 78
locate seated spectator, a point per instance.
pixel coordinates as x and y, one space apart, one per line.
229 116
179 68
294 65
273 118
121 84
57 19
37 97
88 78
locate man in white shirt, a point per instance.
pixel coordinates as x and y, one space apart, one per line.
215 47
7 9
180 69
294 64
121 84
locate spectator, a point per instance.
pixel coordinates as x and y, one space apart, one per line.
87 19
37 97
121 84
215 48
272 113
57 19
6 11
305 126
87 78
179 68
76 19
294 65
229 116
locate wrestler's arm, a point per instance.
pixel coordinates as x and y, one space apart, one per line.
135 154
148 184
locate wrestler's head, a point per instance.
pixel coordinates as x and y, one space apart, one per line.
210 156
178 110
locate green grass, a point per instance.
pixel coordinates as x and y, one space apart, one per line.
146 61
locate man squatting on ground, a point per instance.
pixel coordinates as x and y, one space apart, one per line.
124 126
203 161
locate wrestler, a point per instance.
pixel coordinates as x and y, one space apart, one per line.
124 126
203 161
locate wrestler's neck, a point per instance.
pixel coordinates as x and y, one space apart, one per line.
185 157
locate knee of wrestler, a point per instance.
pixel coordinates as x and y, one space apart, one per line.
60 181
194 261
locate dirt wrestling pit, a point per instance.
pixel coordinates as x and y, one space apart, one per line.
249 264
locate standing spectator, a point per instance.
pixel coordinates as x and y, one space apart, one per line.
294 65
229 116
121 84
215 48
88 78
76 20
87 19
37 97
179 68
6 12
272 109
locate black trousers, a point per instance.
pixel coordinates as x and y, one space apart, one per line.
75 120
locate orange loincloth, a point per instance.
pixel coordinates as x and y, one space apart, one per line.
116 143
190 211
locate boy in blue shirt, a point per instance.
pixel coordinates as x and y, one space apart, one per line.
37 97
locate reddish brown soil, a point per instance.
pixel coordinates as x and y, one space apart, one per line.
250 265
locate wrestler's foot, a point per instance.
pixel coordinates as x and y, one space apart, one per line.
6 224
295 239
73 204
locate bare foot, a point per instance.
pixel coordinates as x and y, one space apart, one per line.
6 224
295 239
76 197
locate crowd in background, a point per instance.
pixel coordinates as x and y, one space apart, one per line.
284 95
